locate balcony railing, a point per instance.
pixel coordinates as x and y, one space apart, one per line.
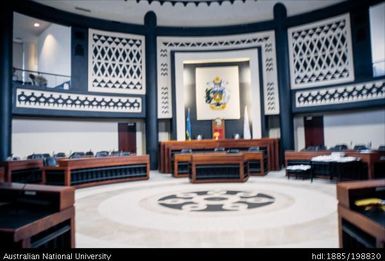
378 68
41 79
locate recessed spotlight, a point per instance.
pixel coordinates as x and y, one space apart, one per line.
36 24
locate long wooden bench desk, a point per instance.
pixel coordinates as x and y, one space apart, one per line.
254 163
23 171
218 167
86 172
36 216
169 148
368 158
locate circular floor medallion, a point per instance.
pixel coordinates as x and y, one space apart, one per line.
215 200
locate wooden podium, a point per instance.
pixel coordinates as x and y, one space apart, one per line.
218 167
23 171
359 227
36 216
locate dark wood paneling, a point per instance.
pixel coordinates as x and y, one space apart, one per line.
314 131
2 175
127 137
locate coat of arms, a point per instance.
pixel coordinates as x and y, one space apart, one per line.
217 95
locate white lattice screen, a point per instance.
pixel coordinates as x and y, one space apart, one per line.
321 53
116 62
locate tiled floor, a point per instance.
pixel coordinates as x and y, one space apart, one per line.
269 211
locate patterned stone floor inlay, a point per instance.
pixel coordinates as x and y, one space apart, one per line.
269 211
216 200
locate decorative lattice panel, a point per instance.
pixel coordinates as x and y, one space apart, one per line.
116 62
36 99
368 91
265 40
321 53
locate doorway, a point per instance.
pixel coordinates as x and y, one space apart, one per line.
314 131
127 136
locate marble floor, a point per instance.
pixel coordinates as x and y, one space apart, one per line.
163 212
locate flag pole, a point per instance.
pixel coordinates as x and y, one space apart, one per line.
246 125
188 125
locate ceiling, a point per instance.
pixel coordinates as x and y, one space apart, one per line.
186 12
23 29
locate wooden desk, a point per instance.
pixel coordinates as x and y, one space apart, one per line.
37 216
369 158
381 152
251 159
182 163
217 167
178 159
168 149
23 171
86 172
304 156
358 228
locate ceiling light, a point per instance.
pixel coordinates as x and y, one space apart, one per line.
36 24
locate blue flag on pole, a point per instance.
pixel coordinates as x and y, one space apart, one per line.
188 125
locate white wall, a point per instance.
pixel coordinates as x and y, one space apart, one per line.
349 127
47 136
54 52
299 133
164 130
377 34
30 61
17 55
25 58
140 138
352 128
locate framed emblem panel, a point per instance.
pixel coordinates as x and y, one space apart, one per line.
217 92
